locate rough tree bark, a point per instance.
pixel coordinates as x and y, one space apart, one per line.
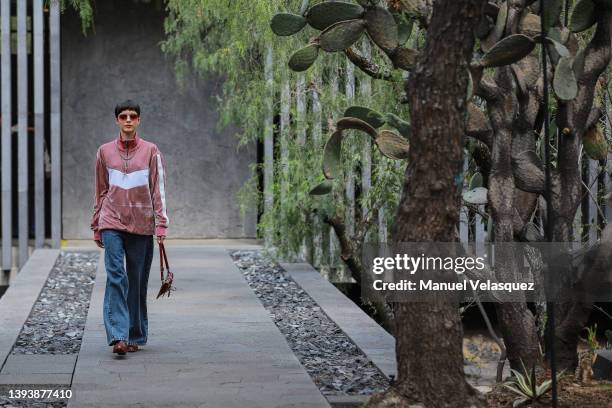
429 335
514 106
574 116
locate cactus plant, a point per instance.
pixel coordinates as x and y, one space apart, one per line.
332 164
340 36
404 58
530 25
508 51
382 28
392 145
322 15
285 24
373 118
595 143
404 27
484 27
303 58
325 187
356 124
553 11
415 8
583 16
470 87
402 126
578 65
564 81
476 181
556 50
498 30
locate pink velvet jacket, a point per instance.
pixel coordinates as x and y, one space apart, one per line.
131 198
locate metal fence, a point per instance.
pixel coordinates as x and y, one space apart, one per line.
30 128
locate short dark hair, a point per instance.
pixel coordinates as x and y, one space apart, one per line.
127 105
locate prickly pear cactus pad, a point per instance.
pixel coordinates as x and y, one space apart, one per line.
285 24
342 35
322 15
303 58
595 144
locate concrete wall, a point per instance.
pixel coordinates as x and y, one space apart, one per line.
123 60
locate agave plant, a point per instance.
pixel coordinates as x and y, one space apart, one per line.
526 386
591 339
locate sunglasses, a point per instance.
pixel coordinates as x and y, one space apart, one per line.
128 116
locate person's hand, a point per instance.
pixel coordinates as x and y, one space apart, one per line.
160 239
99 243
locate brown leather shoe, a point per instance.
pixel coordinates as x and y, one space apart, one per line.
132 348
120 347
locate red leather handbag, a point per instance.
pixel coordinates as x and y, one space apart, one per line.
166 284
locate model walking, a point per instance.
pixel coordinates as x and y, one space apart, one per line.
130 206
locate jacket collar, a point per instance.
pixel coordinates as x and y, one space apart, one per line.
131 144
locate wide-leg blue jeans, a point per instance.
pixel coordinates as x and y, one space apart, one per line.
125 297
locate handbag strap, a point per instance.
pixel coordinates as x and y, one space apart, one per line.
162 258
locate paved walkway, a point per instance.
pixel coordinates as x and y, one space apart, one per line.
212 344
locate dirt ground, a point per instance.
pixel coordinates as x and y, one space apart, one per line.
481 355
571 395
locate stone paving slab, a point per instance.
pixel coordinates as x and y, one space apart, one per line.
46 378
369 336
17 302
211 344
40 364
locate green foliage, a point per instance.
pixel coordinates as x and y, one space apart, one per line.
526 386
404 58
219 38
392 145
285 24
303 58
325 187
595 143
564 81
402 126
476 181
583 16
553 11
498 30
83 8
340 36
229 40
332 163
404 27
356 124
591 339
373 118
322 15
382 28
508 51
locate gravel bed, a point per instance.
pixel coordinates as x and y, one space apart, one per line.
334 362
5 402
57 320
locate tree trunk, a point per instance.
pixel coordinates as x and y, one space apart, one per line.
429 335
567 188
517 323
